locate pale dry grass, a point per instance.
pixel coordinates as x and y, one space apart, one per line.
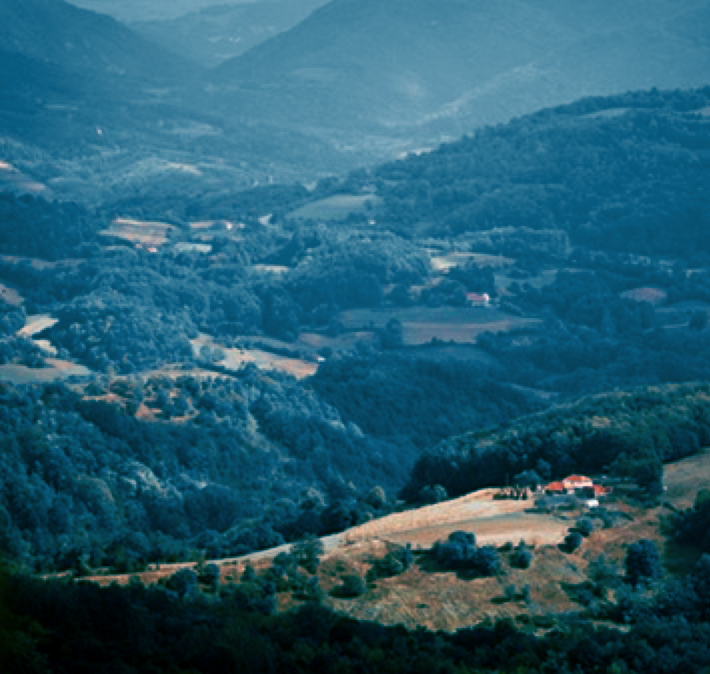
36 324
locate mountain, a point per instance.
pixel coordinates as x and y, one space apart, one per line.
81 41
385 64
217 34
155 10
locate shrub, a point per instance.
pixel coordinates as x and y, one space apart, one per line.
521 558
585 527
351 586
182 582
573 541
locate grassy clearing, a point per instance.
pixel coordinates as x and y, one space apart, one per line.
37 263
236 358
36 324
423 324
55 371
442 263
654 296
338 207
12 180
10 295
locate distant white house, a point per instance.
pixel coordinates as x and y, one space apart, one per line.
476 300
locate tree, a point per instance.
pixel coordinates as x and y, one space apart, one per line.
433 494
573 541
351 586
585 526
392 334
643 562
210 575
486 561
182 582
521 558
308 552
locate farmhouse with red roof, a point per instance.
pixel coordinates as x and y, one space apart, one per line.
578 485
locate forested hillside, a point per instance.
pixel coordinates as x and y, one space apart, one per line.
54 31
622 173
626 434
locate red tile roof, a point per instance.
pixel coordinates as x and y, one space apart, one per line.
555 486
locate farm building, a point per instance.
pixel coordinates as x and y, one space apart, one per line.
476 300
578 485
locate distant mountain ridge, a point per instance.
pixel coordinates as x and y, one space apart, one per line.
55 32
223 31
392 63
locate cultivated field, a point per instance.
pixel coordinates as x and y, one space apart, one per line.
336 208
423 324
140 232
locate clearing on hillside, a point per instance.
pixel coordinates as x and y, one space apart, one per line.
236 358
10 295
36 324
56 370
338 207
149 234
421 325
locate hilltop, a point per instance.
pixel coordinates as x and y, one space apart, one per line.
82 41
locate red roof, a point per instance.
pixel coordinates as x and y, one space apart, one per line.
577 478
555 486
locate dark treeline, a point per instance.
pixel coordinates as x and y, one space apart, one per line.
78 627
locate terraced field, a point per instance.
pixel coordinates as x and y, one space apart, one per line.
149 234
